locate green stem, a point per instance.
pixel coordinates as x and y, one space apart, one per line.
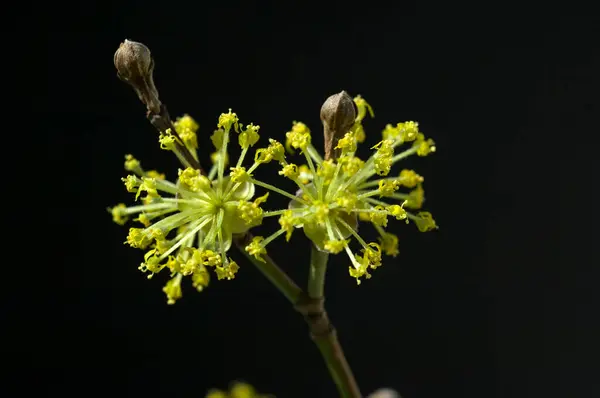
323 333
316 276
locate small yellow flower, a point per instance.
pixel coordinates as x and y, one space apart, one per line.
424 147
397 211
249 136
145 219
133 165
299 137
288 222
192 180
209 258
388 187
138 238
415 198
274 151
119 214
255 248
251 212
362 106
131 183
228 120
401 132
186 128
200 279
409 178
389 244
186 122
239 174
167 140
217 138
173 289
359 132
351 165
347 143
335 246
372 253
227 271
425 221
379 216
360 269
155 175
383 157
148 185
290 171
409 131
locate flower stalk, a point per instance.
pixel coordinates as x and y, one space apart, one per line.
316 277
322 331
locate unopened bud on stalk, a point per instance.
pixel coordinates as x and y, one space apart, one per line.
337 114
135 66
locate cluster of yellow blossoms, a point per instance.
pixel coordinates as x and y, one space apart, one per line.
334 195
188 224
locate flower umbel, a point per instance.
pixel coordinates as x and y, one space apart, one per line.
335 194
187 225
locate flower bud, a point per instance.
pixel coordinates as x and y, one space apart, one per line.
135 66
337 115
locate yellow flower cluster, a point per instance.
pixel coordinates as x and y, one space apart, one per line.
334 195
187 225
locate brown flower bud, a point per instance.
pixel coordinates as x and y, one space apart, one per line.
337 114
135 66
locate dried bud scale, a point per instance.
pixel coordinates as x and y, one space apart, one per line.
337 114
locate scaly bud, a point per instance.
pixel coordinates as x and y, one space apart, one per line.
135 66
337 114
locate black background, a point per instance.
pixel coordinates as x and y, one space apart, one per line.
497 303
